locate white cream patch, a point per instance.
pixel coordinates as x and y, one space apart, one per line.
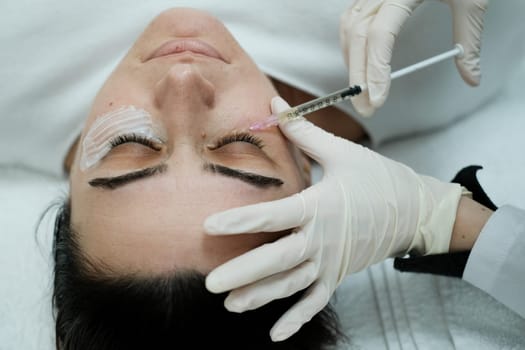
125 120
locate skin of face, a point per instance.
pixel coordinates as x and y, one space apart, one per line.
155 225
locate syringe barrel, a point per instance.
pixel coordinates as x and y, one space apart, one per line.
328 100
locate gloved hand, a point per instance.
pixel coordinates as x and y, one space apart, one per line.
366 208
368 32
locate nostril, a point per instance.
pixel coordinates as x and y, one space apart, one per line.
184 84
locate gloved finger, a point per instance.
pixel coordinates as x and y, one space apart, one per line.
278 215
468 18
313 301
343 42
363 13
317 143
357 58
279 286
259 263
348 17
382 35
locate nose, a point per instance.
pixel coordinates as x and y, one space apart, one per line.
184 90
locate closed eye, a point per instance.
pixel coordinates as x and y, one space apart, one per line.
238 137
152 143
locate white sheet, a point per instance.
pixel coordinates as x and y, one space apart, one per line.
25 260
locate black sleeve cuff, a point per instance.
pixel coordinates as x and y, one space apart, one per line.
448 264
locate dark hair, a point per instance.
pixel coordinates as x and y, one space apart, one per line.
96 309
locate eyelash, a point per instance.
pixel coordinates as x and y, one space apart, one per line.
134 138
238 137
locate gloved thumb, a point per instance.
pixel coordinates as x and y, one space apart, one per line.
317 143
468 17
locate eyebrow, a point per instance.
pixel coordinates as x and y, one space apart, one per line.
259 181
253 179
112 183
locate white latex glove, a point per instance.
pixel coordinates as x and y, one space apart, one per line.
368 31
366 208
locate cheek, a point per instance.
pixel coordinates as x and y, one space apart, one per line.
248 91
127 84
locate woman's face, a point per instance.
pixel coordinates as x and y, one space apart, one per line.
141 207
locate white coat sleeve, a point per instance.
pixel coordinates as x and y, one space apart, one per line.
496 263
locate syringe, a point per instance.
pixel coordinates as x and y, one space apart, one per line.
346 93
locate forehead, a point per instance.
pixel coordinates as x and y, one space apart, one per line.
156 224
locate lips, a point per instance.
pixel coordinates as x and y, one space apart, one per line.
178 46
